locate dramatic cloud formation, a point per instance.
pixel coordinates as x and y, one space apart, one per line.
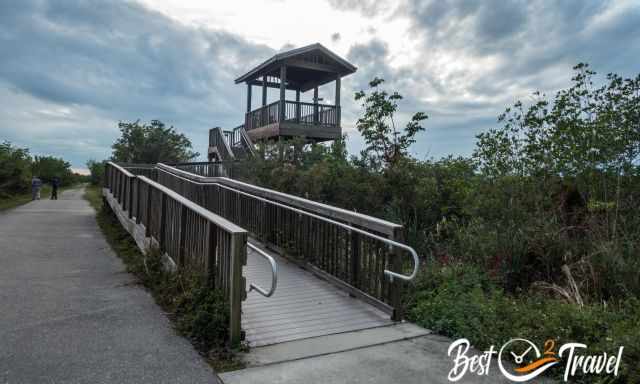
71 70
469 60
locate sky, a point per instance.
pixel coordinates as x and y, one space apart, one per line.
71 70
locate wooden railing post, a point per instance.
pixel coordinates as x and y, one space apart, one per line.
106 181
183 238
210 261
315 105
237 292
163 223
355 259
298 106
147 225
130 201
125 196
138 200
120 187
395 290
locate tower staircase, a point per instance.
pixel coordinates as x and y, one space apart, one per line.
230 145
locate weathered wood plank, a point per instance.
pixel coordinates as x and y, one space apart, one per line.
302 306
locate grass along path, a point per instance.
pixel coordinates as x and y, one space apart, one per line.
17 200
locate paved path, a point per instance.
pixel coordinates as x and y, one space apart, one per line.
419 360
69 312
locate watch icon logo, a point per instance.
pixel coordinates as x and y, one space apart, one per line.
536 362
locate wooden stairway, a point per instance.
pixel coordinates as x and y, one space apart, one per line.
230 145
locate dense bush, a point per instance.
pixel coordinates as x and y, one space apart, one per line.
462 301
17 167
48 167
96 169
15 170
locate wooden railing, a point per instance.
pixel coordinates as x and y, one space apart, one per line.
218 143
209 169
190 235
311 114
295 112
355 251
240 142
262 116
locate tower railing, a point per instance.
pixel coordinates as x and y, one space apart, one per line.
297 112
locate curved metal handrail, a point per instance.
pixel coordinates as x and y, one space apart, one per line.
392 243
274 273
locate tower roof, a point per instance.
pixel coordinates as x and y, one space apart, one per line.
307 67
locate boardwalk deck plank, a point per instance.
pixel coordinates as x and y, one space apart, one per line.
303 306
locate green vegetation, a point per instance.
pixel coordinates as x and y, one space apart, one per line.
96 169
17 167
150 144
536 235
13 201
196 310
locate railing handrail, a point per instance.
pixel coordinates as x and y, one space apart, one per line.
320 105
274 273
264 106
370 222
220 221
247 140
135 165
393 243
310 104
224 142
192 163
121 169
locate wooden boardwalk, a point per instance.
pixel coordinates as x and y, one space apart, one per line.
303 306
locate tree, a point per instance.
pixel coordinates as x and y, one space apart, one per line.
15 169
384 142
584 130
49 167
151 143
582 149
97 171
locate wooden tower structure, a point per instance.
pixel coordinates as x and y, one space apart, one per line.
299 70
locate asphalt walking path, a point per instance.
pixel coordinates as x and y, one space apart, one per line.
69 311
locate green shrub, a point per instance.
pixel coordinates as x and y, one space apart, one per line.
15 170
96 169
461 301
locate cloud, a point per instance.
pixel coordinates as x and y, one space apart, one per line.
467 60
366 7
98 63
71 70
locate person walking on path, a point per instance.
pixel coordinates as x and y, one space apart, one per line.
54 188
36 184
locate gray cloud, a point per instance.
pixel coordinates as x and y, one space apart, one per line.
119 61
71 70
494 53
366 7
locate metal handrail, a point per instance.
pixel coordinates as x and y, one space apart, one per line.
392 243
274 273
